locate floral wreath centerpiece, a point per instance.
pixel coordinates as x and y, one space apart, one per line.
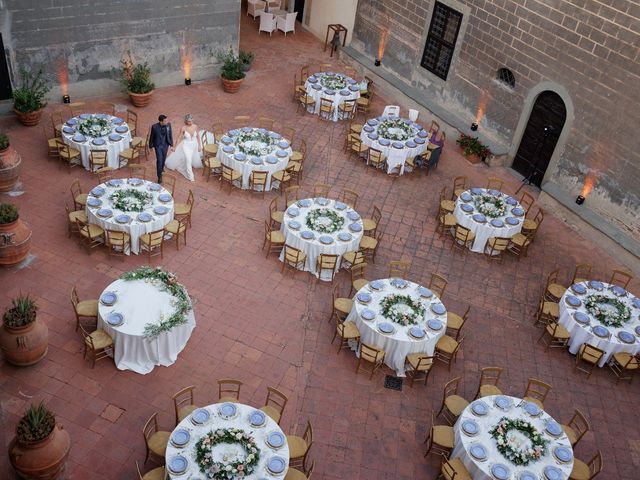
490 205
168 282
395 129
609 311
324 220
255 143
131 200
518 441
402 309
333 81
94 127
227 469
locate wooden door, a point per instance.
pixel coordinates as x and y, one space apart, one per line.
299 7
540 137
5 81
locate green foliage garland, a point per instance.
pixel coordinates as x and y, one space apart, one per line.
333 81
94 127
316 222
255 136
412 312
130 200
406 132
166 281
606 316
510 449
227 470
489 205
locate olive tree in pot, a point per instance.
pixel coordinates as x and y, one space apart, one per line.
231 72
30 98
136 79
23 338
41 446
9 164
15 236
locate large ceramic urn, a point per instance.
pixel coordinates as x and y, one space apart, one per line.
15 242
26 345
10 162
43 460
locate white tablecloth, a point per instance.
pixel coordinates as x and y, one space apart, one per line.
316 88
113 148
217 421
313 247
481 470
273 159
398 344
485 231
141 303
135 227
582 333
397 152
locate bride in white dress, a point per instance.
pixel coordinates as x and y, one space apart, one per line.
188 151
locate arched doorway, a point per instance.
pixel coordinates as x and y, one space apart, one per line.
540 137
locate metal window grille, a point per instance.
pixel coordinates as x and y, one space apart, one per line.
441 40
506 76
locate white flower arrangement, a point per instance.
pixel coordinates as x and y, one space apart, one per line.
95 127
130 200
323 220
402 309
255 143
514 449
333 81
395 129
609 311
231 467
489 205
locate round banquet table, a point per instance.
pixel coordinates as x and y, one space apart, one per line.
236 148
134 225
323 85
109 141
140 303
584 327
505 225
397 151
401 342
513 410
241 420
345 239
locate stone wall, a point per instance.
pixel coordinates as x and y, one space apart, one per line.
589 48
85 39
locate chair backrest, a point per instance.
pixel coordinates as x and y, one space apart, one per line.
321 190
243 120
56 118
304 72
413 114
277 398
289 133
579 424
399 268
391 110
499 245
595 464
326 67
348 106
259 178
290 21
591 354
291 194
104 174
150 427
490 375
87 338
139 171
526 200
292 255
156 238
182 398
265 122
495 183
358 271
74 297
375 155
190 200
553 276
537 389
273 206
169 182
621 278
97 157
376 215
75 188
370 353
327 261
326 104
438 284
228 387
266 22
350 197
227 173
115 238
218 129
450 388
582 270
132 117
459 183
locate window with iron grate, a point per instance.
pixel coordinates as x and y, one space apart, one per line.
441 40
506 76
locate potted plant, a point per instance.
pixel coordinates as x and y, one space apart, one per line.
472 148
24 339
231 72
9 164
246 58
41 446
15 236
30 98
136 79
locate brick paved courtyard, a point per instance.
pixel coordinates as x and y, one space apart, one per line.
269 329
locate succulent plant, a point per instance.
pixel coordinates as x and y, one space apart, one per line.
36 424
8 213
21 313
4 141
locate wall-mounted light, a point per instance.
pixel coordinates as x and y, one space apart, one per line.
66 99
377 63
580 200
474 126
187 81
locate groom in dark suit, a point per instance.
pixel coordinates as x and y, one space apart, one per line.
161 140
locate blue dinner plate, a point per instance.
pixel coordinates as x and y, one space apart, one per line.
339 205
479 408
376 285
517 211
178 464
373 122
563 454
425 292
97 191
115 182
531 408
328 91
104 212
94 202
114 137
160 210
134 181
397 145
257 418
315 86
635 301
226 139
345 93
239 156
553 428
355 227
423 133
581 317
200 415
477 191
98 141
256 161
72 121
478 217
573 301
68 130
275 135
295 225
79 138
601 331
363 297
417 332
283 144
438 308
368 314
478 452
155 187
293 212
626 337
502 402
305 202
122 218
386 327
354 88
637 330
312 80
494 192
465 207
115 319
275 439
117 120
470 427
596 285
228 149
500 471
271 160
410 144
322 201
227 409
553 473
345 236
164 197
512 221
496 222
307 235
180 437
511 201
373 136
619 291
85 116
419 141
465 197
579 288
353 215
399 283
384 142
527 475
122 129
276 465
434 324
144 217
281 153
109 298
326 239
368 128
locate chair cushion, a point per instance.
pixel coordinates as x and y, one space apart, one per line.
146 239
580 470
461 471
87 308
455 404
486 390
277 216
361 282
297 446
81 199
295 474
458 191
272 412
414 358
556 290
185 411
529 224
155 474
362 101
359 148
181 208
174 227
101 339
454 320
343 304
93 231
211 148
443 436
570 433
276 237
368 242
158 442
589 357
551 308
446 344
520 240
349 330
78 215
369 224
128 153
622 358
448 205
449 220
356 128
561 333
296 156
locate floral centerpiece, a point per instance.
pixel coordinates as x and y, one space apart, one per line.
255 143
333 81
130 200
518 441
402 309
490 205
166 281
395 129
324 220
607 310
229 468
95 127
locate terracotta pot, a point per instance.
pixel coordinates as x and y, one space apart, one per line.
15 242
10 163
29 119
43 460
24 346
246 67
231 86
140 99
473 158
